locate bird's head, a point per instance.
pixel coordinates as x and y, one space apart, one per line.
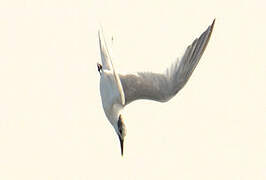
121 132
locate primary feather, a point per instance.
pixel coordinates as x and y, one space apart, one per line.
163 86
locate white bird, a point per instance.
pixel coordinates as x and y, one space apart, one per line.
119 90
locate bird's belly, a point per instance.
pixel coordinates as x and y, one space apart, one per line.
109 92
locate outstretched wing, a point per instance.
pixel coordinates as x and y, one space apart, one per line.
107 64
162 87
105 55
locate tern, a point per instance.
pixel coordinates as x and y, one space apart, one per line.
118 90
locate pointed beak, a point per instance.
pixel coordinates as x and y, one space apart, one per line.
121 145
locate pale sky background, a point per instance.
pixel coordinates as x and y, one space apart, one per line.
52 126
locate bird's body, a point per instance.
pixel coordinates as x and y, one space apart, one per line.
118 90
110 93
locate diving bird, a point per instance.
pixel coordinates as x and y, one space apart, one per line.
118 90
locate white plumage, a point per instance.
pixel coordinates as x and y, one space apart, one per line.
118 90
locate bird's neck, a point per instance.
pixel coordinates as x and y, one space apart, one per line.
113 113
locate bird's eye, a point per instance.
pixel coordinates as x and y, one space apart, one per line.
120 126
120 131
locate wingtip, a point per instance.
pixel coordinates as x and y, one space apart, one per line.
212 25
213 22
100 35
100 31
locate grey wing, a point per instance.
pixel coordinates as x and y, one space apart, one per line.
162 87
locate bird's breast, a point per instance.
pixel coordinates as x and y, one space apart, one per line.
109 93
